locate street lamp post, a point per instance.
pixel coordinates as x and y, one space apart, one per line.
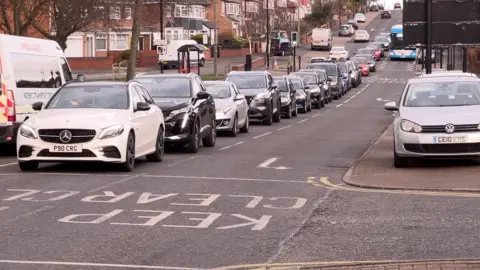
268 34
215 38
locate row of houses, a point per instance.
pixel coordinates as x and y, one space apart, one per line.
184 19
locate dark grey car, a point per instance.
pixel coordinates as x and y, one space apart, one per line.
304 100
319 86
261 93
287 96
334 75
355 75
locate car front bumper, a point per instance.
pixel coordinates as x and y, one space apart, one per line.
224 122
111 150
429 145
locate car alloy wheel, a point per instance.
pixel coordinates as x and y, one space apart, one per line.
234 131
194 142
129 163
246 127
295 111
211 139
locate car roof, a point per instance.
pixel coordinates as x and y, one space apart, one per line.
157 74
338 47
218 82
97 83
446 78
248 72
448 73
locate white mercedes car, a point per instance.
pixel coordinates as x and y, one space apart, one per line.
437 117
361 36
337 53
231 107
360 17
111 122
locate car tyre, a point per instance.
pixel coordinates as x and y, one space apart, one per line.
305 107
194 142
129 163
322 103
288 114
211 139
374 69
157 156
202 62
246 127
269 120
399 162
277 117
234 131
309 108
28 165
295 112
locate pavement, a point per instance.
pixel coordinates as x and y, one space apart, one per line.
273 196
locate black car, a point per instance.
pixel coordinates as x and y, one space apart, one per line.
287 96
188 109
319 86
284 48
334 75
302 94
261 92
386 14
353 23
381 7
384 41
373 8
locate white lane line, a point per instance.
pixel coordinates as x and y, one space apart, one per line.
8 164
339 105
285 127
318 114
116 182
100 265
230 146
223 178
329 110
183 160
261 135
304 120
4 208
76 174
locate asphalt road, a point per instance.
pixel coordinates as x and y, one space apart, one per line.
251 199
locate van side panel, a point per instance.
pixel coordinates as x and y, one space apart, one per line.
321 38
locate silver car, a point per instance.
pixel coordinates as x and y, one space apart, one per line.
231 107
437 118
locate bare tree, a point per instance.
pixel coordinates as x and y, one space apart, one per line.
16 16
70 16
132 61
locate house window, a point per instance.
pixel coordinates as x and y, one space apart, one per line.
100 42
115 13
128 14
118 42
233 9
181 11
282 3
252 7
176 35
185 34
271 4
168 11
168 35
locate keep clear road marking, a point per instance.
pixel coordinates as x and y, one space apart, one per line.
100 265
266 164
261 135
230 146
285 127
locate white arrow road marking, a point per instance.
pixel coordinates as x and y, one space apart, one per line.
266 164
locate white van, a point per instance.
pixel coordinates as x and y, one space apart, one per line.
322 39
31 70
168 52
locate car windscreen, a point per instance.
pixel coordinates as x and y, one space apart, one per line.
369 57
297 84
90 97
365 51
166 87
218 90
443 94
336 49
308 78
318 60
330 69
342 67
282 84
361 32
248 81
360 60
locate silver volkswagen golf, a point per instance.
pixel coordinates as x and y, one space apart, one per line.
437 118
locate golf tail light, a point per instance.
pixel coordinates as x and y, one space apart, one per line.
410 126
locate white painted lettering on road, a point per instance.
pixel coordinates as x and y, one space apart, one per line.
100 217
152 220
299 203
210 198
108 194
148 197
57 198
266 164
253 203
258 224
25 193
205 222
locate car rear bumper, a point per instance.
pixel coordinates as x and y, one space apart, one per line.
8 133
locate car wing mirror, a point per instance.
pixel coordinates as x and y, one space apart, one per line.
142 106
307 87
202 95
239 97
80 78
37 106
391 106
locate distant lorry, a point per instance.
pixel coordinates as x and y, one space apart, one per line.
168 52
31 70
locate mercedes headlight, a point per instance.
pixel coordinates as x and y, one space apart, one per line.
410 126
315 90
260 101
284 99
182 110
111 132
334 83
28 132
301 96
222 110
